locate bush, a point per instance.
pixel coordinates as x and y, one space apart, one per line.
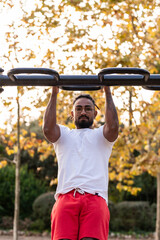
111 207
30 188
132 216
42 208
154 212
6 223
38 225
1 211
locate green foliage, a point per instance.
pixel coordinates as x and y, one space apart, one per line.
42 208
30 188
45 170
38 225
1 149
6 222
148 184
1 211
7 181
33 127
145 181
132 216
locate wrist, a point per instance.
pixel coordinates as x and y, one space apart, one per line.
55 91
107 90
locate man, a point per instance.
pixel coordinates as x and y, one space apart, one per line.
81 211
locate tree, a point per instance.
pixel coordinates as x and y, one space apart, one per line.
134 32
106 34
149 160
17 175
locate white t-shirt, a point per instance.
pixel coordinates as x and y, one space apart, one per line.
83 156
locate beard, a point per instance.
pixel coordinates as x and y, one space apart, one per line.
84 123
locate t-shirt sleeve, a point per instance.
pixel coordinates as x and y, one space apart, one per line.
102 135
63 132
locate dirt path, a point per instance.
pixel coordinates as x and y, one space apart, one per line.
3 237
8 235
25 238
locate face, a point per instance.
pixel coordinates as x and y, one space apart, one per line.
83 113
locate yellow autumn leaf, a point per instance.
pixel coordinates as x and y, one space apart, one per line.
112 176
3 163
15 149
33 134
31 153
53 182
134 191
9 151
24 132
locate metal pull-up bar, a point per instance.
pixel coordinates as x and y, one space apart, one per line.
106 77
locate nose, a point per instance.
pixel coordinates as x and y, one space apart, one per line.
83 111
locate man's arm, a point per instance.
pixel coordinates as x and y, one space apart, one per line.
110 130
50 128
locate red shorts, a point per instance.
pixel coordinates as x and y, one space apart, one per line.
79 216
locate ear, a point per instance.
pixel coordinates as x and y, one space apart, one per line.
72 115
95 113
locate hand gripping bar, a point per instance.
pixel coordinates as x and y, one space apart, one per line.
11 73
124 70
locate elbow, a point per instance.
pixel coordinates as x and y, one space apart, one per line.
114 132
45 131
115 128
111 131
52 134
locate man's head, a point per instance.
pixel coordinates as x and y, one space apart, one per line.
84 111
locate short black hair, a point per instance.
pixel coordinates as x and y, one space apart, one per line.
85 96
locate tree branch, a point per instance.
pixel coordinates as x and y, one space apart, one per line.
8 160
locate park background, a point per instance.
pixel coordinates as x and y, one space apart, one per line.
79 37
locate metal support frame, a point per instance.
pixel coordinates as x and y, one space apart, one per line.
106 77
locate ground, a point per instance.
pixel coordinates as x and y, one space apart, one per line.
124 237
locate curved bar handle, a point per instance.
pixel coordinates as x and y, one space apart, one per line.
124 70
11 73
153 88
80 88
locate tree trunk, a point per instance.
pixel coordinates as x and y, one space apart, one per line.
17 178
157 237
130 108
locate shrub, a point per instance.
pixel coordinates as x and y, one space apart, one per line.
1 211
7 181
42 208
154 212
132 216
38 225
30 188
111 207
6 223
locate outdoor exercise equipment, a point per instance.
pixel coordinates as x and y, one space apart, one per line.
106 77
